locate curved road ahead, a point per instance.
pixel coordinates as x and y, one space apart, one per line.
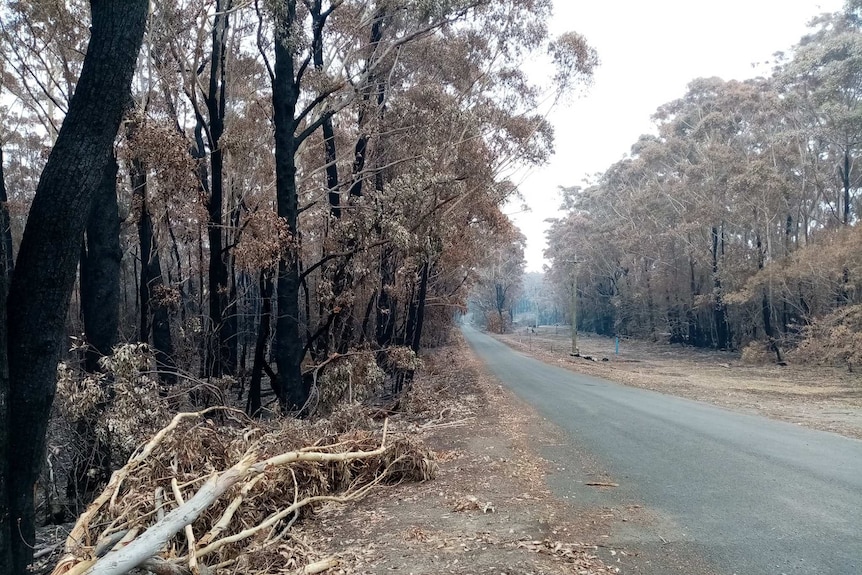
749 495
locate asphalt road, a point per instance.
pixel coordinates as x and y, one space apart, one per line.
749 494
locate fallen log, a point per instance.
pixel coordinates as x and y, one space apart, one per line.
120 548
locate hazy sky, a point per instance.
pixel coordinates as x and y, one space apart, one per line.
649 52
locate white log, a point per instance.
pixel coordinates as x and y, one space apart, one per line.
150 541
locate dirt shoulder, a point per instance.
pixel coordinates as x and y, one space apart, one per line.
489 510
824 398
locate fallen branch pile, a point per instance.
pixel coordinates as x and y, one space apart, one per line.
201 497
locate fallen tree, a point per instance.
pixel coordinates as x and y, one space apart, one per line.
202 496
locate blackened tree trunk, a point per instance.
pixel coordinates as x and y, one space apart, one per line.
46 267
151 283
101 258
285 94
220 358
254 390
386 301
100 271
361 149
722 337
338 324
420 310
329 148
5 527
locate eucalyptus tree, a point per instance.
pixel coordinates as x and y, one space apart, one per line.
385 77
46 265
500 279
824 77
5 525
46 42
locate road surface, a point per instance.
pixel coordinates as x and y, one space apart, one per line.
748 494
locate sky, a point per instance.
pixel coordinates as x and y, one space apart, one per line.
649 52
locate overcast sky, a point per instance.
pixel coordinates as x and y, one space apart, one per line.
649 52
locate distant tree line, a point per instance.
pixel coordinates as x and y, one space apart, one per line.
738 222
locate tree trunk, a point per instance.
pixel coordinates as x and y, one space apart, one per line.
101 258
220 358
285 94
386 302
329 148
152 302
420 310
766 308
100 272
50 248
845 180
254 391
338 321
361 149
690 315
5 527
650 303
719 309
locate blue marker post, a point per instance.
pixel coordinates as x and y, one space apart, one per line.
617 345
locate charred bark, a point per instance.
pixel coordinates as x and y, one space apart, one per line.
5 271
360 151
101 258
254 391
386 301
47 263
285 94
151 285
329 149
416 342
100 272
722 335
220 360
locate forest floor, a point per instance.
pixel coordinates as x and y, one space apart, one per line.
825 398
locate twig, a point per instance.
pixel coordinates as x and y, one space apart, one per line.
228 514
276 517
142 550
160 566
190 534
39 553
105 545
159 501
79 532
320 566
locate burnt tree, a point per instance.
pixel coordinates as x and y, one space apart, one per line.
46 266
285 95
5 259
101 256
151 287
221 352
